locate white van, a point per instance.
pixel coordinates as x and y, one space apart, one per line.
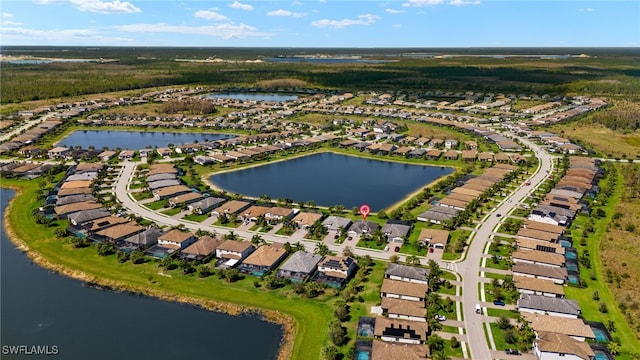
478 309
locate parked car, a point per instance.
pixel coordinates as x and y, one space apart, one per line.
441 318
498 215
512 352
528 183
397 249
498 302
430 249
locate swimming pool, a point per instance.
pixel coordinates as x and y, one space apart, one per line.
601 336
601 355
364 355
571 255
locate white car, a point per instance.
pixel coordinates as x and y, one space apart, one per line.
441 318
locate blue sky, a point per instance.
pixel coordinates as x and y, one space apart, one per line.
321 23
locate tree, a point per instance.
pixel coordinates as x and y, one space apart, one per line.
122 256
614 348
329 353
394 258
231 274
322 249
137 256
257 240
433 278
104 249
313 289
436 343
347 252
454 343
503 322
60 232
337 333
341 312
510 336
204 271
413 260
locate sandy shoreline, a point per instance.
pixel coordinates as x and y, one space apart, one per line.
276 317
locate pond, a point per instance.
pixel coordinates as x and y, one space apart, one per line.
253 96
40 308
325 60
134 140
331 179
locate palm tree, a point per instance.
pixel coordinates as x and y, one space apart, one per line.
322 249
257 240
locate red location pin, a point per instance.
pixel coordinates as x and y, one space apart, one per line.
364 211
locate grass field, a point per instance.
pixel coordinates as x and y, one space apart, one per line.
604 141
306 315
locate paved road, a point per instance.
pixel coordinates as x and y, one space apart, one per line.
27 125
470 267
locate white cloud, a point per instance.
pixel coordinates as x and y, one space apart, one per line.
323 1
225 31
97 6
10 23
210 15
394 11
238 5
397 26
366 19
423 3
6 15
20 35
296 3
281 12
588 9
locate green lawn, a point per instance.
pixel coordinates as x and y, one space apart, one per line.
499 312
172 211
371 244
457 352
142 195
196 217
156 205
309 316
498 338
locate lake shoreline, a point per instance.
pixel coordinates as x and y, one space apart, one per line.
285 321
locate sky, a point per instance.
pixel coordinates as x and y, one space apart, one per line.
321 23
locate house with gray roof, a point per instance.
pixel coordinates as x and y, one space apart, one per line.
163 183
540 304
552 215
438 214
205 205
396 231
158 177
361 227
336 223
82 217
299 266
142 239
406 273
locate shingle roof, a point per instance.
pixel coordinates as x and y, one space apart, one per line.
540 270
409 272
539 256
528 283
301 261
265 255
203 246
145 238
361 226
567 326
560 343
549 304
385 350
404 288
403 307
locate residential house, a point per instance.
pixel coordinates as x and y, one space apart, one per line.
105 222
65 210
538 257
142 240
336 223
540 304
83 217
119 232
404 290
434 238
126 155
362 227
396 231
533 286
263 260
395 330
575 328
231 207
557 346
59 152
231 252
450 144
300 266
437 214
552 215
404 309
335 271
170 191
205 205
176 239
202 248
384 350
154 185
407 273
304 220
184 199
556 274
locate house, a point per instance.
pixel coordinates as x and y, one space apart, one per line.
126 155
361 227
142 239
433 154
154 185
404 290
305 220
533 286
450 144
205 205
396 231
105 222
119 232
184 199
64 210
263 260
253 213
176 239
335 271
434 238
575 328
277 213
407 273
395 330
552 215
469 155
404 309
539 235
557 346
170 191
64 200
146 152
75 184
202 248
538 257
299 266
231 252
556 274
336 223
534 225
83 217
231 207
384 350
437 214
539 304
59 152
161 176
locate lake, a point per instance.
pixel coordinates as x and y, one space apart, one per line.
330 179
134 140
46 309
325 60
253 96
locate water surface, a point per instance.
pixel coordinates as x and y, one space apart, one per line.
253 96
134 140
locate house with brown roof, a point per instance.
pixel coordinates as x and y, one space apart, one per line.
277 213
231 207
469 155
451 155
176 239
384 350
58 152
575 328
184 199
202 248
404 290
555 345
64 210
119 232
556 274
539 245
170 191
76 184
533 286
433 154
538 257
535 225
335 271
434 238
263 260
305 220
404 309
539 235
104 222
231 252
402 331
